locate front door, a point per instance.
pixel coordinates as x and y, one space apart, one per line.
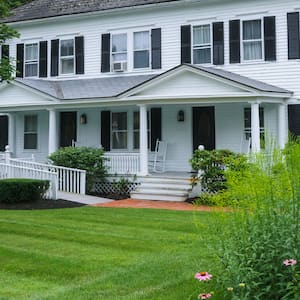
204 127
3 132
68 128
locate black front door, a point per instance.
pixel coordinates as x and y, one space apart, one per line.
204 127
68 128
3 132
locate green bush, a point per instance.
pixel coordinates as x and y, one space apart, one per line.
22 190
84 158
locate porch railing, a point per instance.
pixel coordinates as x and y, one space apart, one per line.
69 180
8 170
122 163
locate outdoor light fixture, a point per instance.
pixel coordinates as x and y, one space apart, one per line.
180 116
83 119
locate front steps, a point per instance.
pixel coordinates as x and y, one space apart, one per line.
163 188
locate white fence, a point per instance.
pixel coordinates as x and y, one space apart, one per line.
122 163
14 171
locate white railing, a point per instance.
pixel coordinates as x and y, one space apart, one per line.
69 180
122 163
13 171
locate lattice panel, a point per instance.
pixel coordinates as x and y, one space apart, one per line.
115 187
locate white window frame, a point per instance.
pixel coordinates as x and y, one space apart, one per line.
66 57
202 46
31 62
118 131
138 130
247 129
122 52
262 40
31 132
149 50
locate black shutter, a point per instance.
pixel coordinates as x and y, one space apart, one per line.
294 120
5 51
54 57
218 43
234 41
20 60
293 35
186 44
79 54
270 38
105 53
43 62
155 126
105 130
156 48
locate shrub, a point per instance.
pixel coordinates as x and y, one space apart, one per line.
22 190
84 158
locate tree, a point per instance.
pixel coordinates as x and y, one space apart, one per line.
6 33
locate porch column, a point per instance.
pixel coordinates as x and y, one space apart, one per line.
255 128
52 142
143 141
11 131
282 125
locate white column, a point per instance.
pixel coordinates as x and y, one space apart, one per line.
52 142
255 130
11 132
282 125
143 141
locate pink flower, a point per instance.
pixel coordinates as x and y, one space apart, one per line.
203 276
205 296
289 262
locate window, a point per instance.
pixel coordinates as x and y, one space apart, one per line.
67 56
252 40
247 121
119 130
201 44
119 47
31 60
141 49
30 132
136 130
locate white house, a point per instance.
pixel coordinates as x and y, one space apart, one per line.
122 74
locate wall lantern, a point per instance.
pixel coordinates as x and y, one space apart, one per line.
180 116
83 119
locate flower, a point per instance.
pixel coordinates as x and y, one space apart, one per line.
203 276
205 296
242 285
289 262
230 289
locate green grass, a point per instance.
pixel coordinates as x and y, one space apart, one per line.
102 253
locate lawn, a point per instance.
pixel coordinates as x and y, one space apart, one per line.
103 253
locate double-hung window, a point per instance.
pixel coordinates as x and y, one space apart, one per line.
247 122
202 44
31 60
67 56
119 130
119 48
252 40
141 49
136 130
30 132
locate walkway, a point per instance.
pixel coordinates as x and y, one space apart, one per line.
84 199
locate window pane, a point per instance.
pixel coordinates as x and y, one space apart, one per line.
252 30
119 140
119 121
120 57
119 43
141 59
30 141
31 52
252 50
201 35
30 123
67 47
141 40
136 120
136 140
67 66
31 70
202 56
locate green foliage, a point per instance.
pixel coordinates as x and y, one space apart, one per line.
22 190
84 158
264 230
123 186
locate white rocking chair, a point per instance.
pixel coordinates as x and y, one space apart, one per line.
159 160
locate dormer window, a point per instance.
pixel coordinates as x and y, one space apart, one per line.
201 44
67 56
141 49
31 60
119 51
